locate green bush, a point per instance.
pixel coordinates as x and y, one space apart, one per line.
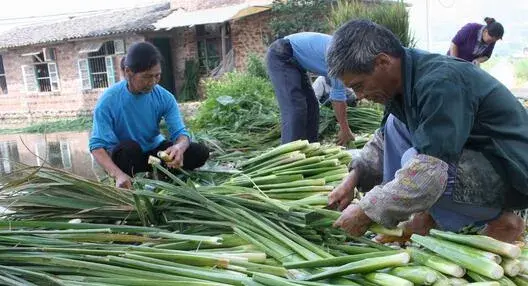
293 16
392 15
240 112
256 67
237 105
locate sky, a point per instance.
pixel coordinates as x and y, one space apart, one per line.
445 17
32 8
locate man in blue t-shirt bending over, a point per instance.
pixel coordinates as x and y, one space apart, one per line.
126 121
288 61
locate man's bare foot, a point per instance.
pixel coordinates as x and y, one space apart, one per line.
420 223
508 227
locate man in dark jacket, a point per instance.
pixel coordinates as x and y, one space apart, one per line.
452 150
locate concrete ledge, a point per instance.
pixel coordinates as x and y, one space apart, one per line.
18 119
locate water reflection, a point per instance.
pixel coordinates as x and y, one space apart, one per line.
8 149
65 150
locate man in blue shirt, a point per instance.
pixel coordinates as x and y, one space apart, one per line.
126 121
288 60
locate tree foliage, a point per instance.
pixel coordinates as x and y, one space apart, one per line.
293 16
393 15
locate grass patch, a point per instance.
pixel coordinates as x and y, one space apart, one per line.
78 124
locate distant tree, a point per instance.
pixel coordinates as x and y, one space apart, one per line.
391 14
293 16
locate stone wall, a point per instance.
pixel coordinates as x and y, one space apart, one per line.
184 47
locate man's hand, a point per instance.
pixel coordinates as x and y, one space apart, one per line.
175 153
343 194
353 221
123 181
344 136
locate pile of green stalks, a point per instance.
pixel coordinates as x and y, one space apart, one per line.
54 253
48 193
54 232
299 175
445 259
362 120
202 237
296 170
213 239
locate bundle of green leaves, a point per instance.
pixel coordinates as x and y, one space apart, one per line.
238 107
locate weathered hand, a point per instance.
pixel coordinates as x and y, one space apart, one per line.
353 221
175 153
420 223
344 136
123 181
343 194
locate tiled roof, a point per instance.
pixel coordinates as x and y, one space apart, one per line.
96 25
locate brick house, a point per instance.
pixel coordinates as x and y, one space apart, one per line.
58 70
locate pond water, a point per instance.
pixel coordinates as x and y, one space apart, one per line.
64 150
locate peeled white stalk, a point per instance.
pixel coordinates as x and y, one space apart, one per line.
420 275
454 281
482 242
363 266
435 262
385 279
474 263
512 267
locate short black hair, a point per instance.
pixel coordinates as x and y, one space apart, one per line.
356 44
142 56
495 29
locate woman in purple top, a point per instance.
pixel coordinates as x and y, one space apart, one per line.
475 42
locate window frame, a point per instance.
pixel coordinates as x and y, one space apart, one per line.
30 72
88 78
205 39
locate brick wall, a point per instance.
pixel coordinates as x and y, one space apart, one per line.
19 107
248 36
184 47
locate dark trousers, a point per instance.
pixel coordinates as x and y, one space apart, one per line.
298 105
129 157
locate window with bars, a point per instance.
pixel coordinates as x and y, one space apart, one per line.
3 82
209 40
41 76
97 69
